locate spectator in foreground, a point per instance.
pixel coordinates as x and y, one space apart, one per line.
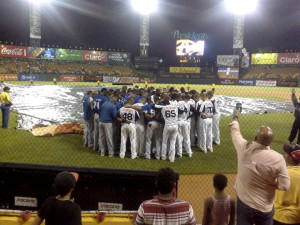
165 208
287 203
296 124
219 207
60 210
5 106
261 171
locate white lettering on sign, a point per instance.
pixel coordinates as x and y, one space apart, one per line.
25 201
110 206
15 51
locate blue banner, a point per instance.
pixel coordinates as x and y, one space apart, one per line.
41 53
247 82
28 77
118 57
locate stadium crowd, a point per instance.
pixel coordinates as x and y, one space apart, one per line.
10 66
155 120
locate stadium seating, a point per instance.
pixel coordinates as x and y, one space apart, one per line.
8 66
278 73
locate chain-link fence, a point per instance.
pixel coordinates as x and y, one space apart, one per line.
74 102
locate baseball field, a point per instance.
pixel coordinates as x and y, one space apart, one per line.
195 173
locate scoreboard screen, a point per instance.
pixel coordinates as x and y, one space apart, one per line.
187 47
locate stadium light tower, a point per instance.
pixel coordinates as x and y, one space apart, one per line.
144 7
239 8
35 22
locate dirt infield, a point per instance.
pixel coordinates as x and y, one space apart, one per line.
195 188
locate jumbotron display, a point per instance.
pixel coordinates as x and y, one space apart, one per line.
187 47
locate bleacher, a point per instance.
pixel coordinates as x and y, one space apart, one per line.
273 72
13 65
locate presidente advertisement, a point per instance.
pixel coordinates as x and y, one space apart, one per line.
264 58
184 69
68 54
41 53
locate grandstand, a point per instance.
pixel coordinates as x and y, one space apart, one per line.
273 72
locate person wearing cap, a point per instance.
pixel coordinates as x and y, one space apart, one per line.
61 210
296 124
5 106
287 203
261 171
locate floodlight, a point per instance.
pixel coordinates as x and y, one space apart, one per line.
38 1
144 6
241 6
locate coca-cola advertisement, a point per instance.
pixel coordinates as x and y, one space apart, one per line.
13 51
94 56
288 58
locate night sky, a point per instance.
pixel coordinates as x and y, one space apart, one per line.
113 24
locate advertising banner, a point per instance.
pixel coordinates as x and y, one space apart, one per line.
109 79
41 53
287 83
149 80
68 54
228 73
228 82
288 58
266 83
93 78
210 76
184 69
122 57
27 77
94 56
130 79
264 58
228 60
163 75
70 78
35 20
9 77
13 51
247 82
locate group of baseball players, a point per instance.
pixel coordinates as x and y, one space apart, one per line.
158 122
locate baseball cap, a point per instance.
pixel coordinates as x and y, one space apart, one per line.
294 151
65 181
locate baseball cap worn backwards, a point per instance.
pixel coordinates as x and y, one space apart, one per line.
294 151
65 181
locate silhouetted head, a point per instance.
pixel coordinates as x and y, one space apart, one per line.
264 135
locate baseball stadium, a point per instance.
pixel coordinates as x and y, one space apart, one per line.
114 91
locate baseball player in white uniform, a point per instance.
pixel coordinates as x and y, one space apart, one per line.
184 127
170 132
128 117
198 125
206 114
215 119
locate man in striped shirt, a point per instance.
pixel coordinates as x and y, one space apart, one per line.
165 208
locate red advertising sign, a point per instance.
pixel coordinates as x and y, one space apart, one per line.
7 77
69 78
288 58
94 56
13 51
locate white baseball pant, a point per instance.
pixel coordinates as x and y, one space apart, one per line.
106 138
153 130
140 139
128 130
198 128
215 129
169 133
184 138
89 133
206 135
